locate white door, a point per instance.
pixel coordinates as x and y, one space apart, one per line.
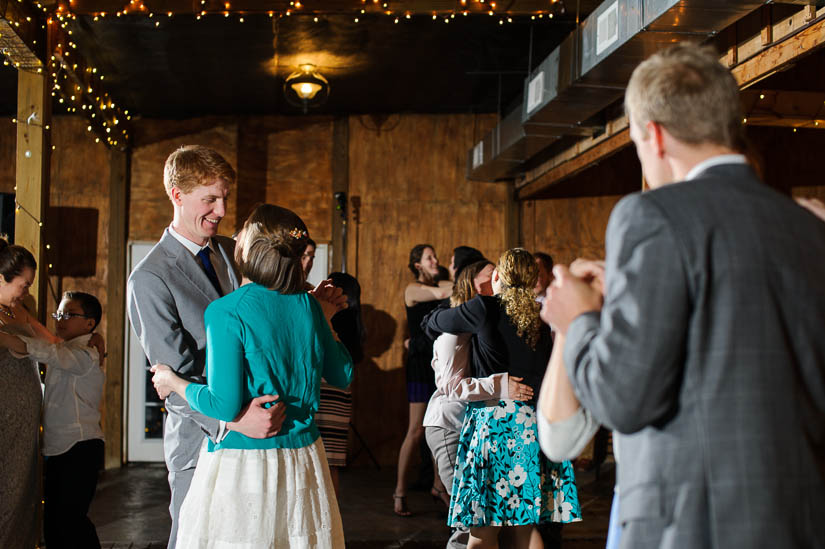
320 268
144 408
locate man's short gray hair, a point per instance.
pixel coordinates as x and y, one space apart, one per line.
687 90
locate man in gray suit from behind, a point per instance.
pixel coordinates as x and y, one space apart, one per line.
708 352
168 292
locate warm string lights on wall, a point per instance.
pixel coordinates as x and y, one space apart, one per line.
359 9
18 207
76 86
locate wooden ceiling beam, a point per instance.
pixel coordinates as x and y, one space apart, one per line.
790 109
396 7
574 159
22 35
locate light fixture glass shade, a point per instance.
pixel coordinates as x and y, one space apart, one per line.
306 88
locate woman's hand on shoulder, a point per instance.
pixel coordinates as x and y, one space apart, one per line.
96 342
25 317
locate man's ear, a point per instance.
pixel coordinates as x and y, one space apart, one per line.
174 194
495 275
656 133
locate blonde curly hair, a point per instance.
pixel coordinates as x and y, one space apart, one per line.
518 273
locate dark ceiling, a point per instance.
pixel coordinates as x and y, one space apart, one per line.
182 67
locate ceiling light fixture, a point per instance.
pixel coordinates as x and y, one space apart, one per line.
306 88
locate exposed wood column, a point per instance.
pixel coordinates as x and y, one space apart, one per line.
340 183
32 173
116 307
512 218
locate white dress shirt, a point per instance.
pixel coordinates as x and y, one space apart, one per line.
74 388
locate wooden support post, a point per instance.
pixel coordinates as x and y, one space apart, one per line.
340 184
810 12
32 174
116 308
512 218
767 26
732 57
780 55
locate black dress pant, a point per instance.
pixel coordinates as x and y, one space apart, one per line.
70 482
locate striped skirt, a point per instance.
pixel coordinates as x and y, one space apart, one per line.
332 419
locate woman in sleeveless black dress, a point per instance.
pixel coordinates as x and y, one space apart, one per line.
420 297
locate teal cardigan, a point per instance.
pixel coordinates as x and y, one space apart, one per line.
260 342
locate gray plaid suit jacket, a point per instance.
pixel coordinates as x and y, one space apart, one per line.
168 292
709 357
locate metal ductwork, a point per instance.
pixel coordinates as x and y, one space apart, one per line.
590 69
502 152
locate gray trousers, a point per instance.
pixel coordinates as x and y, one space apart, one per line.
443 444
179 482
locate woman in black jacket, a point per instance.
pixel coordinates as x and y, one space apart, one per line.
501 476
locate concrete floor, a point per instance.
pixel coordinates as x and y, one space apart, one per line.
130 511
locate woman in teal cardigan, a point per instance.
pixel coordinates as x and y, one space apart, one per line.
267 337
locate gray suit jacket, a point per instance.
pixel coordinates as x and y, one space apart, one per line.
168 292
709 355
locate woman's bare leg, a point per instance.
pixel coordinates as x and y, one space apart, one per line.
525 536
415 433
485 537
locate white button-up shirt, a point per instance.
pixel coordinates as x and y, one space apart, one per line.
74 388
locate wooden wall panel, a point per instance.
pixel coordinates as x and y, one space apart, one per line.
567 228
299 174
80 178
8 156
408 172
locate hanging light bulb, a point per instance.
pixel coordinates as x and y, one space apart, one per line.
306 87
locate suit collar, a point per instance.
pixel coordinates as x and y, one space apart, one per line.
188 264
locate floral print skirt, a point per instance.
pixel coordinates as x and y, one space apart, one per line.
501 476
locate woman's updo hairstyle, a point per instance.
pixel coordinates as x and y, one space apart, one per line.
273 240
518 273
415 257
13 259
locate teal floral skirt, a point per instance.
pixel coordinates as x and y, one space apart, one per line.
501 476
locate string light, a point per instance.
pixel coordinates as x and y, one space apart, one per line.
479 7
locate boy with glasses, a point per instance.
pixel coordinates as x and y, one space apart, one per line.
72 437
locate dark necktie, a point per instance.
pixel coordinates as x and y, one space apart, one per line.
203 255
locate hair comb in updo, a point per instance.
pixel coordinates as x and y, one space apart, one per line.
297 233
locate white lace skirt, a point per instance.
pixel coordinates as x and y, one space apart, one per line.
260 499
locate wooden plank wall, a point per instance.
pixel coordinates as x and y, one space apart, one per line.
571 222
408 173
567 228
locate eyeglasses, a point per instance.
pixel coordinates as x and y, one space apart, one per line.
67 316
